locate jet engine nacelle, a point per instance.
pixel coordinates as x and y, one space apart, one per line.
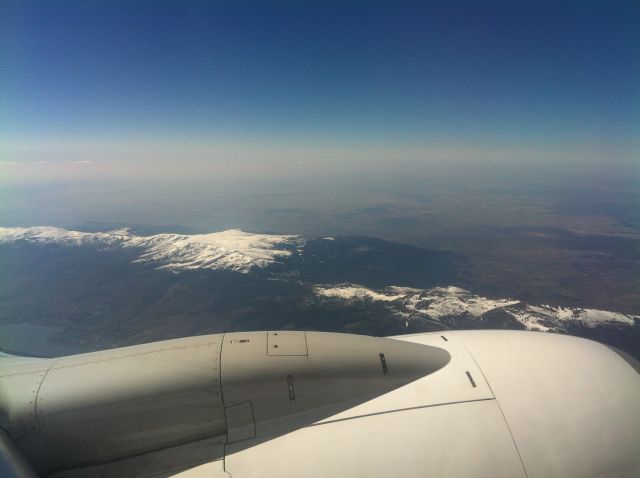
106 406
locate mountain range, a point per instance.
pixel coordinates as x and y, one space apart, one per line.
104 289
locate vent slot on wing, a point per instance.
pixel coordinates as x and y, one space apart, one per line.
471 380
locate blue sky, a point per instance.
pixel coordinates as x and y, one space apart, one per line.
268 83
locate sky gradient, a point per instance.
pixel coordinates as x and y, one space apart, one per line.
90 88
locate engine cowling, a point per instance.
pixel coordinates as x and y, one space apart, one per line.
104 406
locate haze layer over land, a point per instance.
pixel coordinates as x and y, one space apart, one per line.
560 240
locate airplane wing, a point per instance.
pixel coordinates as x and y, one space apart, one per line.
291 404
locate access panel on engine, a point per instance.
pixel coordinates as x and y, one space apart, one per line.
286 343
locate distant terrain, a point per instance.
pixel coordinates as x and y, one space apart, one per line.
93 290
541 235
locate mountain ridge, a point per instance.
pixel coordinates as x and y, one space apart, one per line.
232 249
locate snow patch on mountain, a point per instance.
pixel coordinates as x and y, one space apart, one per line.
357 292
229 250
62 237
445 303
441 302
546 317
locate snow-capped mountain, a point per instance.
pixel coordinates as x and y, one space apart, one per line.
450 303
233 250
